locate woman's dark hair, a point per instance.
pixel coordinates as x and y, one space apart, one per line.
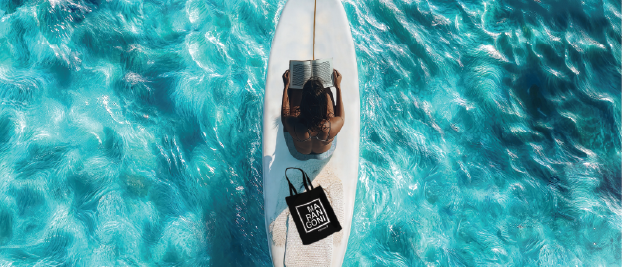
313 105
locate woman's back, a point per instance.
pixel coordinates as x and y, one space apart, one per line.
312 121
314 142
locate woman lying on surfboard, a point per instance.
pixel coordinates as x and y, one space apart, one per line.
310 118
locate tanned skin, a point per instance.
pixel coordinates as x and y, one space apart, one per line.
290 110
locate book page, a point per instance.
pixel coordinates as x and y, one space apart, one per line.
302 70
323 68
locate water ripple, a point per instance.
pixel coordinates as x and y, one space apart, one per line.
130 132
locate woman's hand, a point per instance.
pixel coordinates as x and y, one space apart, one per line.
336 79
286 78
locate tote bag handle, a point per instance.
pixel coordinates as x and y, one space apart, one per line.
305 181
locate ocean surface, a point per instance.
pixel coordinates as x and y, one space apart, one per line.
130 132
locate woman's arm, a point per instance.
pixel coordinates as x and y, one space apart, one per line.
285 103
285 110
339 107
338 121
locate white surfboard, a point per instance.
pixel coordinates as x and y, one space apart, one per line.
294 41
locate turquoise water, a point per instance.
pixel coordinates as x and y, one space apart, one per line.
130 132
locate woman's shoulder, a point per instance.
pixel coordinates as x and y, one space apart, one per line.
336 123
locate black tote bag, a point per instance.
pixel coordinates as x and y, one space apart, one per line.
313 215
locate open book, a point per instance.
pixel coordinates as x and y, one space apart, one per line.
301 70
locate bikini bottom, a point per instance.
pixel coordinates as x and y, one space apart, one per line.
299 156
